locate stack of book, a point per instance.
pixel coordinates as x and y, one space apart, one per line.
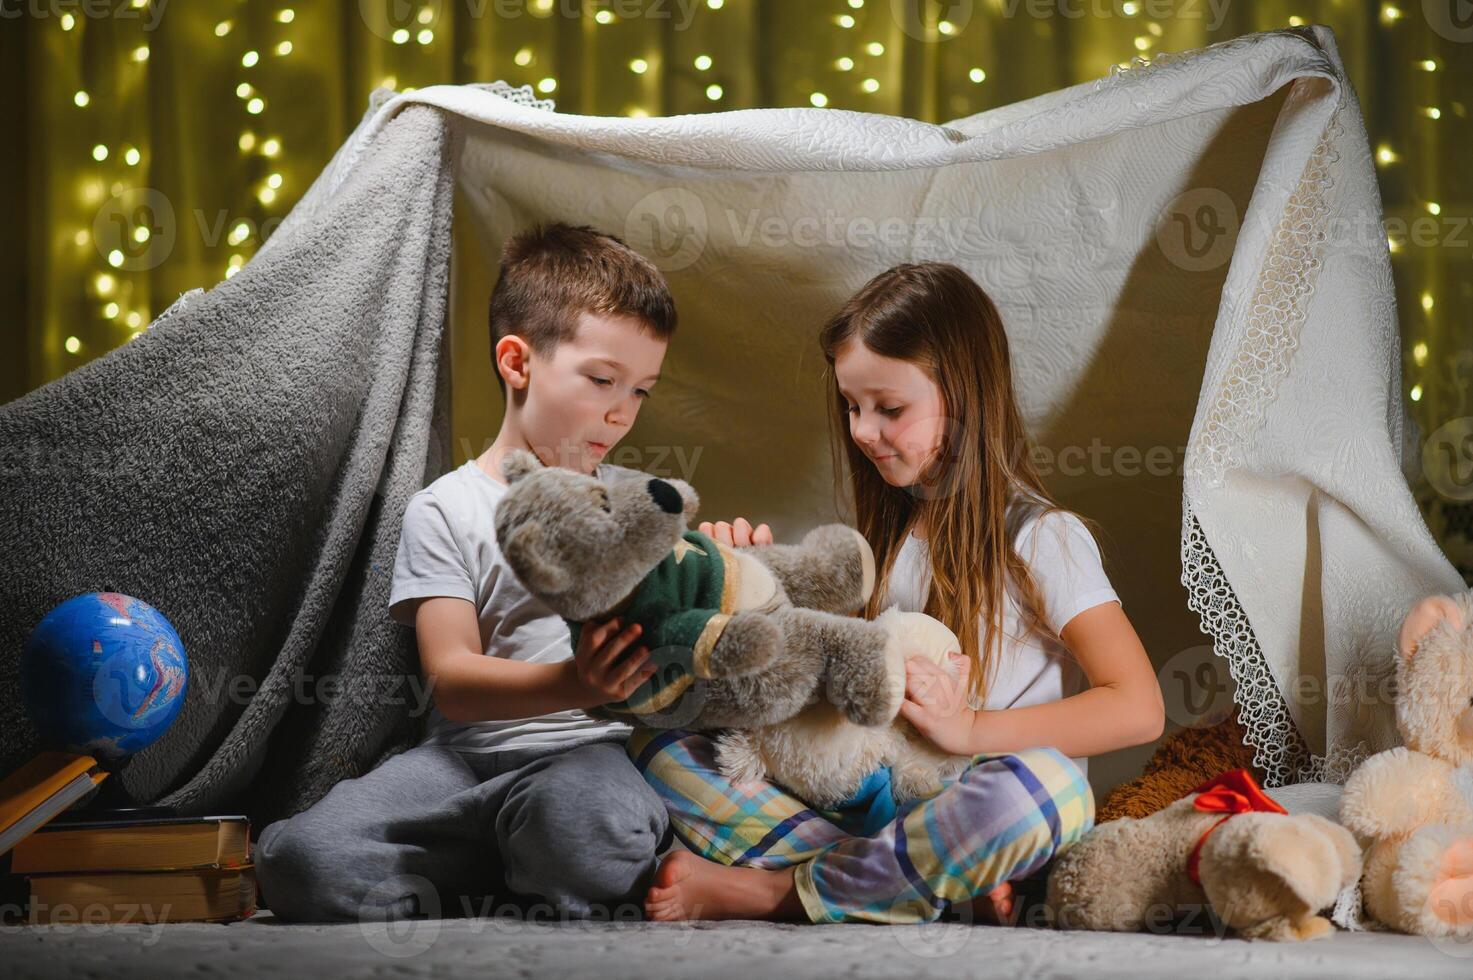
155 869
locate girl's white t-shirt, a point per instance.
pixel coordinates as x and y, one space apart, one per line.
1066 564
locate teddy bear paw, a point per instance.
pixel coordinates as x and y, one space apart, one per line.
1450 899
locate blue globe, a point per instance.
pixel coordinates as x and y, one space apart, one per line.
103 674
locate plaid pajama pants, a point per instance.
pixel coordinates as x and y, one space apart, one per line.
1002 819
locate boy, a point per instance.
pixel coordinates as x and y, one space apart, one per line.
512 783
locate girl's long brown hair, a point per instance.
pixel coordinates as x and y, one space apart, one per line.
975 491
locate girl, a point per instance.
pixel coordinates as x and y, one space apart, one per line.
963 528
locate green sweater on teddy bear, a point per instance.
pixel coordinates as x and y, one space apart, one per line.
683 605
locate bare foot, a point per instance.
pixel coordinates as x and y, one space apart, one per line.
996 907
687 886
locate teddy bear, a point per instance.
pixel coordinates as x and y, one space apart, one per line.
761 644
1229 846
1413 805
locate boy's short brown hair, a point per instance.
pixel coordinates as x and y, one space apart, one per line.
552 273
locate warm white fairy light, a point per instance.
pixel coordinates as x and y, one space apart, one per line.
99 152
274 181
1434 208
714 92
115 258
874 48
818 99
1419 352
271 147
639 66
703 62
425 36
134 319
140 53
846 21
604 17
714 4
1416 393
223 28
844 64
244 90
256 105
73 345
286 15
1385 154
250 58
1427 64
68 22
523 57
401 36
81 99
131 156
548 84
870 85
1427 302
1390 13
946 27
977 75
104 283
284 48
1432 112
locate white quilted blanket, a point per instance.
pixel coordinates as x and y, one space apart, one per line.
1189 259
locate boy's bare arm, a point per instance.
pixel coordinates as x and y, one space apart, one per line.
469 686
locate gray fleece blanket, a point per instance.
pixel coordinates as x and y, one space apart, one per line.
243 466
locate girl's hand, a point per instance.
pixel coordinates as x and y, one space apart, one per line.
737 534
936 703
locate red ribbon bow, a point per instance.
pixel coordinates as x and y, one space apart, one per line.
1232 792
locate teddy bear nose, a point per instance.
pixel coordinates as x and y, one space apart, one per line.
666 496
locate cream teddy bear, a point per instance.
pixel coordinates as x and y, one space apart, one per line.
1413 805
1229 846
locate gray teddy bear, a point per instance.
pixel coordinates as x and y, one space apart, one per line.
763 633
746 639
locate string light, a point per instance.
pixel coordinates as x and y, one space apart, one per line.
68 22
1419 352
250 58
1432 112
81 99
875 48
1385 154
223 28
401 36
110 311
73 345
713 92
844 64
1426 302
523 57
946 27
1390 13
140 53
271 147
1416 393
703 62
425 36
639 66
131 156
977 75
604 17
548 84
99 152
846 21
819 100
286 15
284 48
870 85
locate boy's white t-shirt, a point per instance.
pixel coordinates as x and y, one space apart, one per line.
1066 564
447 547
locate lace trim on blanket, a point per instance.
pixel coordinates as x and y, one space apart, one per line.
1278 748
1291 265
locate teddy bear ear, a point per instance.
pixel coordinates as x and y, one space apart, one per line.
1422 618
526 552
518 463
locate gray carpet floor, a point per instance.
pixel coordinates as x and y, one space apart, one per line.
496 947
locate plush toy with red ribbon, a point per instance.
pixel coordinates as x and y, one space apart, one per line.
1228 847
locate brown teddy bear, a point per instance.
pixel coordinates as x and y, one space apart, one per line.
1413 805
1229 846
1184 759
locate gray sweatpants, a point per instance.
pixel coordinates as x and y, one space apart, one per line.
437 831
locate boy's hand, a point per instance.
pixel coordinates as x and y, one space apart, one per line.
601 672
737 534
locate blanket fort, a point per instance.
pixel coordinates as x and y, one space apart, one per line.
1188 256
